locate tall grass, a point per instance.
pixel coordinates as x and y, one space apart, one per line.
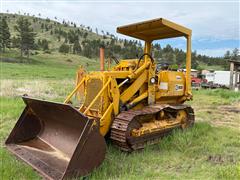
220 93
181 155
202 152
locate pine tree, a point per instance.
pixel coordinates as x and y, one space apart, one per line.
64 48
76 47
45 45
59 38
15 42
26 35
85 35
4 34
235 54
227 55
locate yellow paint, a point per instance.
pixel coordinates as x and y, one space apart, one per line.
128 83
154 126
99 94
171 84
106 120
74 91
188 68
154 29
115 96
139 98
135 86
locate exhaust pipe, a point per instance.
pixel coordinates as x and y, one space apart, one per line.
101 59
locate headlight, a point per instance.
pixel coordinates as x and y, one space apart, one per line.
153 80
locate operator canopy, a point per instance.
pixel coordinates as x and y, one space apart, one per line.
154 29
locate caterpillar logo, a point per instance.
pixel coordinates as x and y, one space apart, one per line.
178 77
179 87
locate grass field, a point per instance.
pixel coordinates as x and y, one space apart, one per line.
209 150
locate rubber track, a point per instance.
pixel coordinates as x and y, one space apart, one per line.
120 130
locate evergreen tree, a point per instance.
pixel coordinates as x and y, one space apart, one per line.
15 42
227 55
157 53
194 60
26 35
72 36
44 45
59 38
168 55
235 54
85 35
4 34
76 47
64 48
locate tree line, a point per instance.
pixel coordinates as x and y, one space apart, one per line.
76 41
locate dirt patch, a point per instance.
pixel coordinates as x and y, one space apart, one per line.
69 60
9 60
235 108
223 115
19 60
221 159
33 88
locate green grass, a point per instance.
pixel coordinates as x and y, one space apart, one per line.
182 155
214 97
210 67
209 150
44 66
202 152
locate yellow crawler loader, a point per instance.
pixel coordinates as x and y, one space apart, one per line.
134 104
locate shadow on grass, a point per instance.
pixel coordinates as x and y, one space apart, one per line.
20 60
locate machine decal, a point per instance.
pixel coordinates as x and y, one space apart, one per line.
163 86
178 87
178 77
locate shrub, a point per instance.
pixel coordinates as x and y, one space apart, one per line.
64 48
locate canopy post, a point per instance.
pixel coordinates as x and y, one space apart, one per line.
188 67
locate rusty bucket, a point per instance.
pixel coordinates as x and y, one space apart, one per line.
56 140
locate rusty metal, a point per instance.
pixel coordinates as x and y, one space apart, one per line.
128 120
56 140
101 59
93 87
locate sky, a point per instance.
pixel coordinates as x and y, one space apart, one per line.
214 23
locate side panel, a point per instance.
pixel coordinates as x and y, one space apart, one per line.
170 84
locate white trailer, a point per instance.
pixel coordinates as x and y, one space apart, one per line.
219 77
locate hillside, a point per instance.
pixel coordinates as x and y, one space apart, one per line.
68 38
46 28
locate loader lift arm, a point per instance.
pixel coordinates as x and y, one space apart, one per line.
158 29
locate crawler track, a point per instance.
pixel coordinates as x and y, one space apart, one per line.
128 120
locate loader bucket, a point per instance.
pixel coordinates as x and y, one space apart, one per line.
56 140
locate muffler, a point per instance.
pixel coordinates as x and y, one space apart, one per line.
56 140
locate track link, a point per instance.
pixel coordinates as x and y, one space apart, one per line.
127 120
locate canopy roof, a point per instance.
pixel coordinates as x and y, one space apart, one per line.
154 29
